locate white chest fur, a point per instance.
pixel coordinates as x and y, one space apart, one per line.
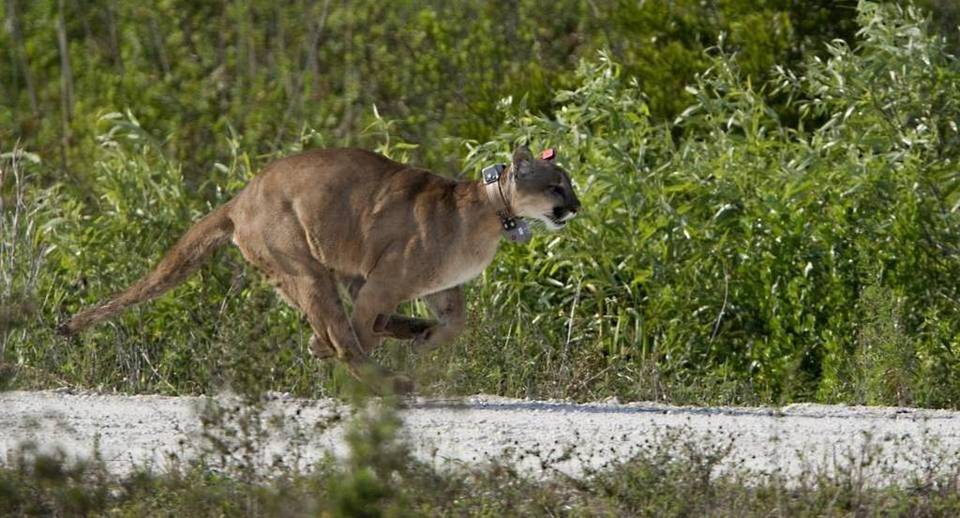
461 267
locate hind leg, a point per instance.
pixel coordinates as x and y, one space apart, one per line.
316 296
312 289
284 256
303 283
320 343
319 300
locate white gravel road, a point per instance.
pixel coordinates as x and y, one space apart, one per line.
535 436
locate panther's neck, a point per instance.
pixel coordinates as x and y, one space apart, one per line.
480 209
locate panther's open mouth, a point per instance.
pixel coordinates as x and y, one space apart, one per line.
557 222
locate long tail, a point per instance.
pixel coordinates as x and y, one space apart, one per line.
184 258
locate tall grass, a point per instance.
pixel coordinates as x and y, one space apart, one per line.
741 254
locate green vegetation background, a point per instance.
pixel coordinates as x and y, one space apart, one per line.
771 188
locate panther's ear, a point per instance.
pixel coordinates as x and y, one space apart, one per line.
522 161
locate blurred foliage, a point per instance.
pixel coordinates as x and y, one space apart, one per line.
770 215
675 473
192 72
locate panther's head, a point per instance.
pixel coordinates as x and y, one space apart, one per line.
542 190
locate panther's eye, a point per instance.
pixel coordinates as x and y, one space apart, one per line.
557 191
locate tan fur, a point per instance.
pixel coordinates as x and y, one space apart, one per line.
387 231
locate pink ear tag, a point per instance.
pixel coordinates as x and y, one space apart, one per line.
548 154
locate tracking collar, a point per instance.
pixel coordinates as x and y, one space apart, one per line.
514 228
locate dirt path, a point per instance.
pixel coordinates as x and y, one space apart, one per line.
535 436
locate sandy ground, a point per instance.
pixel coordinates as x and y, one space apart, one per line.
538 437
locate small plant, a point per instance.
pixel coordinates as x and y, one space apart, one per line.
886 356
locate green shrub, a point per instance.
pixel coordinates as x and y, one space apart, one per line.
734 257
780 241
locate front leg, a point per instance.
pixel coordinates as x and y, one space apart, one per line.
394 325
450 308
373 302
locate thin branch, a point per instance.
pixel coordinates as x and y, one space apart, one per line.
723 308
66 84
20 56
